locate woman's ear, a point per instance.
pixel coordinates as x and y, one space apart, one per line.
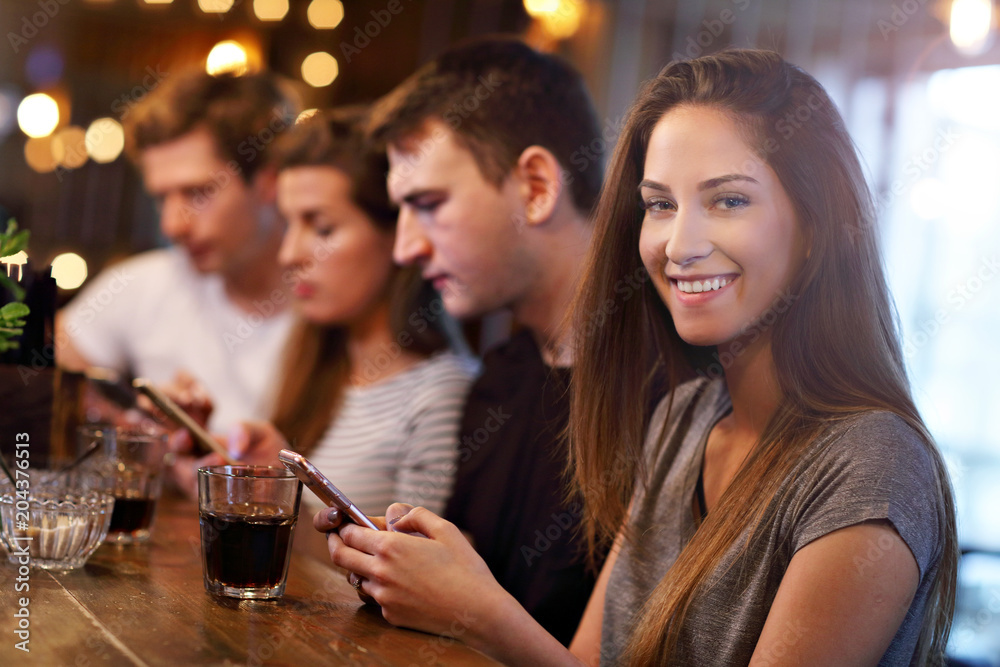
542 183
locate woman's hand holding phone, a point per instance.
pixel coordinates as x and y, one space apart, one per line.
435 582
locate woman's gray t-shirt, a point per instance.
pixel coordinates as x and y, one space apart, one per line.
871 466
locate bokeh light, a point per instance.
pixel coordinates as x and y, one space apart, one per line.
560 19
227 57
38 154
15 264
319 69
270 10
325 14
38 115
69 147
306 114
970 25
215 6
105 140
536 8
69 270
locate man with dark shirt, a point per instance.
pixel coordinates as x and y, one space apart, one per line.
480 144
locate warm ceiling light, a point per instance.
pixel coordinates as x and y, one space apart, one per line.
270 10
69 270
38 154
970 25
105 140
319 69
227 57
69 147
215 6
560 19
38 115
325 14
538 8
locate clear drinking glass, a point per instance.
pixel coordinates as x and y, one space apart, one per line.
136 479
247 515
57 521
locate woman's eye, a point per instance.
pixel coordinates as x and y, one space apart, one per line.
657 205
321 226
730 202
324 229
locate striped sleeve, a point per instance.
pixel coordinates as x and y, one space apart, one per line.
427 464
396 441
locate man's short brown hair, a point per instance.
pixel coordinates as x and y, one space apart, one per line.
500 96
243 114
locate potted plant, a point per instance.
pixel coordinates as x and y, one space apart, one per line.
12 314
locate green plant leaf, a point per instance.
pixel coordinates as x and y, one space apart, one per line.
12 314
12 243
16 290
16 243
14 311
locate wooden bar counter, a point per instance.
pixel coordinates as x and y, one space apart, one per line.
147 605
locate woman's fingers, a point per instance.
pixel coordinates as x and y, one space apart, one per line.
327 519
347 557
422 521
395 512
363 538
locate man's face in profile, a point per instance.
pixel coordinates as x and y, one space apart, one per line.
205 206
461 229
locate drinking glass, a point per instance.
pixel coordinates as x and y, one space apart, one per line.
136 479
247 516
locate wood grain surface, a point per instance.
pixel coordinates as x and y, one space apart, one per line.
147 605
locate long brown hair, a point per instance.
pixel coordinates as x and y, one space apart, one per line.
836 348
316 367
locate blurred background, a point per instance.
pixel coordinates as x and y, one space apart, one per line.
917 80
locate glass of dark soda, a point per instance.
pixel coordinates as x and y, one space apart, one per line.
135 472
247 515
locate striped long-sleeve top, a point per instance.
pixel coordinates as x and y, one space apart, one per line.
396 440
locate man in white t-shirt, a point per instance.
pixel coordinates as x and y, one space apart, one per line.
208 316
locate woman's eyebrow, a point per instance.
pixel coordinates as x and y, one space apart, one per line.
704 185
716 182
653 185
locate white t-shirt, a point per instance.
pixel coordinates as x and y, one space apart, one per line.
397 440
153 315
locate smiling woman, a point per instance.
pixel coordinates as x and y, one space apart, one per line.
806 452
720 246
